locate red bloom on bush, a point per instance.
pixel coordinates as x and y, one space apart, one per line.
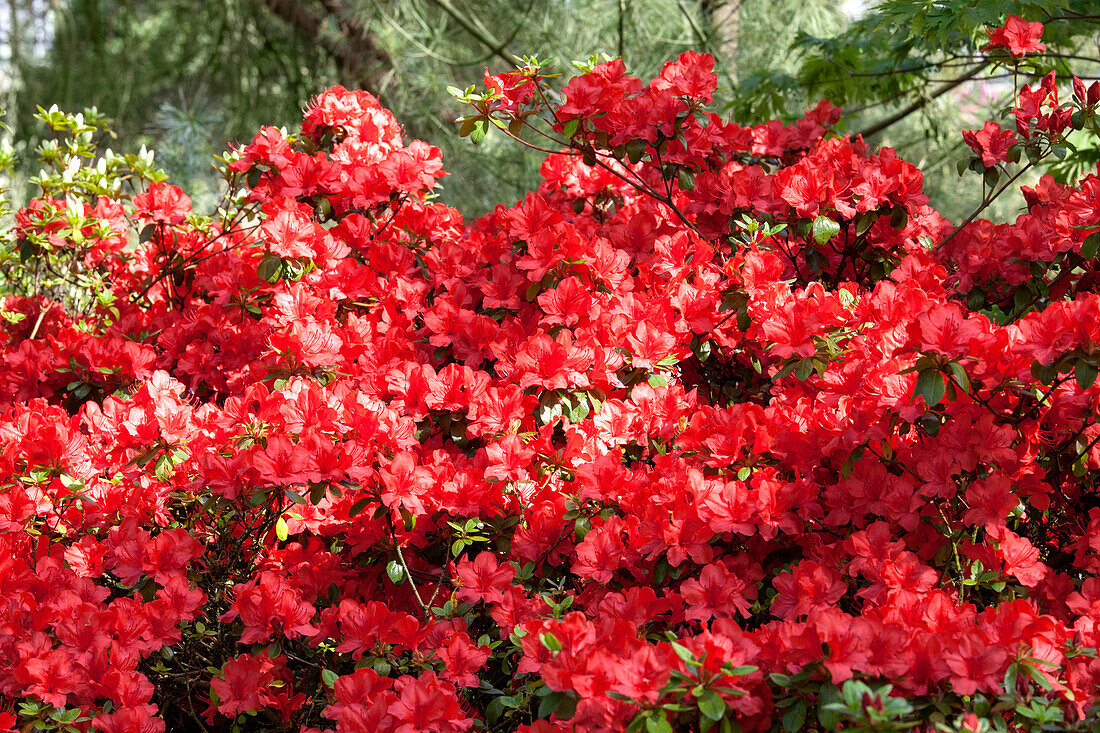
717 592
484 579
426 704
366 462
461 660
975 664
807 587
244 684
1021 558
1017 36
691 75
363 625
991 143
513 88
270 605
163 203
141 719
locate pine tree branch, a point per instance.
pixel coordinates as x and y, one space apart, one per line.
355 51
480 34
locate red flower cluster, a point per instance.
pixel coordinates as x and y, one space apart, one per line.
992 143
719 423
1017 36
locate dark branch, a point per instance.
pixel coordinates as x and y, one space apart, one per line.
920 103
357 54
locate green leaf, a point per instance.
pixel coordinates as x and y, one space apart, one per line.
991 176
550 641
1090 246
816 261
549 704
635 149
712 705
658 724
1038 677
930 386
960 376
864 222
785 370
294 496
567 708
480 128
270 267
395 572
795 718
577 408
899 217
329 677
281 530
1085 373
824 229
683 652
466 126
744 321
358 506
1044 373
570 128
1010 678
826 716
163 466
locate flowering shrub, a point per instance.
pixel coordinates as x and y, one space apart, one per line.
721 428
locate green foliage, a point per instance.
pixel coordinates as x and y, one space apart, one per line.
187 77
222 54
898 69
76 170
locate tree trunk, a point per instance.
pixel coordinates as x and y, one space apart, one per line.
725 16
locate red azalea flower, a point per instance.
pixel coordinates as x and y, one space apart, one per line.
483 579
163 203
1018 36
991 143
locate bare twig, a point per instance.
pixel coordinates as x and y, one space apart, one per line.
901 114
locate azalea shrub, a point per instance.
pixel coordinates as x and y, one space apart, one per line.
721 428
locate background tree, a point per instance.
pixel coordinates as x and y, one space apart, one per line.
210 72
910 74
199 74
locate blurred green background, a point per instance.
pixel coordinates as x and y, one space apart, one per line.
186 77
